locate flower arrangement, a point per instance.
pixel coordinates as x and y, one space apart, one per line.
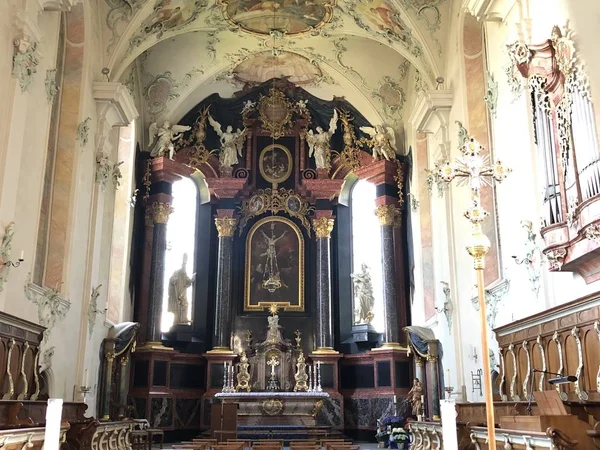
392 433
399 435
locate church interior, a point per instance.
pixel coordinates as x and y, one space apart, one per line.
314 224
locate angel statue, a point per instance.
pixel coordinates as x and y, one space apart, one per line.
383 141
164 137
232 143
318 143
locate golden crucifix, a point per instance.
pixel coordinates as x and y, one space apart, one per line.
273 362
475 169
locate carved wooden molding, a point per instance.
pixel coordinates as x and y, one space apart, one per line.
544 366
526 392
513 383
579 390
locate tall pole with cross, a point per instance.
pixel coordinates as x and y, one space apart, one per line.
474 169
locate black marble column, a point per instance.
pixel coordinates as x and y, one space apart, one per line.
434 386
107 378
323 317
222 334
160 216
387 214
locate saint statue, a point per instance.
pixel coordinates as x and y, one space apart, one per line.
318 143
178 284
164 137
415 397
383 141
232 143
363 295
271 278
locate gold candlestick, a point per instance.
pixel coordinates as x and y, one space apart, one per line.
475 168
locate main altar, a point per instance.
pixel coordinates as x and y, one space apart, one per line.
272 382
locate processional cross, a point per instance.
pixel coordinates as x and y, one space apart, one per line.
475 169
273 362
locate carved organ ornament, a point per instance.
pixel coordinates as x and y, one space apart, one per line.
566 138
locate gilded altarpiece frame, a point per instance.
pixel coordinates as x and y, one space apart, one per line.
280 238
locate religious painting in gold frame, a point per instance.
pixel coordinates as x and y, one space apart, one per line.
275 163
274 265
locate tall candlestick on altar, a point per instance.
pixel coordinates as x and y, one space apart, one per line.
448 377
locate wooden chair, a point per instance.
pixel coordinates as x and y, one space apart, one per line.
152 432
139 440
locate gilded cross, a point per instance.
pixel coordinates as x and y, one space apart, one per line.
273 362
476 170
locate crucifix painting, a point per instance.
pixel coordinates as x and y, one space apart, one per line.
274 265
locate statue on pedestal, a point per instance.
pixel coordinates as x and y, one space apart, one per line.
243 377
318 144
383 141
232 143
178 284
301 376
165 136
363 295
415 397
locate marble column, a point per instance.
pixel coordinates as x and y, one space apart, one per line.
434 385
222 334
323 318
107 377
420 370
387 215
160 215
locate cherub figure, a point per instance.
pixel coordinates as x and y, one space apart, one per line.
383 141
165 136
232 143
318 144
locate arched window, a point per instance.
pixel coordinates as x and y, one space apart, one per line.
181 239
366 245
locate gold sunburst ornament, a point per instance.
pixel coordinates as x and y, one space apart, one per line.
273 308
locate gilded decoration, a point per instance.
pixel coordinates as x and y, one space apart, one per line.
275 201
161 212
259 17
350 155
301 376
323 227
275 113
399 179
275 163
272 407
274 265
225 226
387 214
243 376
556 258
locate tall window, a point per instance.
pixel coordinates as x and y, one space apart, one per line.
181 239
366 245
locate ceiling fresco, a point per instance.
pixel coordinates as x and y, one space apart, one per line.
288 16
380 53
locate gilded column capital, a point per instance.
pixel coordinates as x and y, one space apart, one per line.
387 214
226 226
419 362
323 226
161 212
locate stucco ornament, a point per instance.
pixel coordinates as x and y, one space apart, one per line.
491 93
5 249
463 134
392 97
25 62
46 359
533 257
413 202
116 174
448 307
51 85
93 310
103 169
382 142
164 138
83 132
493 297
52 308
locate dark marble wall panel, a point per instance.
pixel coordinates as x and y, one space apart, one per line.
350 414
206 413
403 374
161 412
330 414
384 375
187 413
159 374
364 412
140 373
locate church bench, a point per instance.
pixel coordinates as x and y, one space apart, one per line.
27 438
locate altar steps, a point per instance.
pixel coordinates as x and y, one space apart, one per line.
286 433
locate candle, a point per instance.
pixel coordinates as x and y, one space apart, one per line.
422 399
85 377
448 377
395 399
22 256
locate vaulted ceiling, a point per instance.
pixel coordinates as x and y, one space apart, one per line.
376 53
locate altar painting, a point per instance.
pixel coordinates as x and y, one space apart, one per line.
274 265
292 17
